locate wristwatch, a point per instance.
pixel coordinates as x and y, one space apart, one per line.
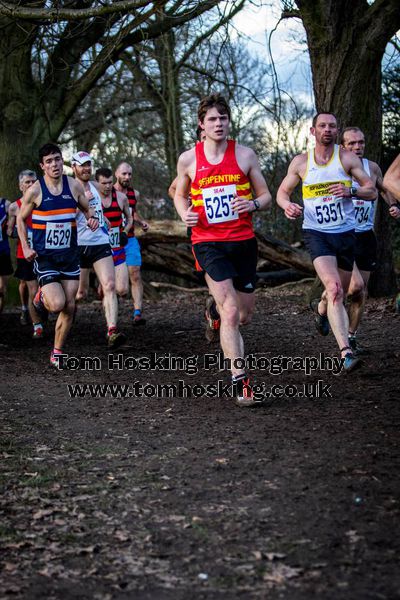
353 191
256 205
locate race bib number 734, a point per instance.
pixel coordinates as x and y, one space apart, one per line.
218 203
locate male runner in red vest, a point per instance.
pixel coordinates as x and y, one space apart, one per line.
222 176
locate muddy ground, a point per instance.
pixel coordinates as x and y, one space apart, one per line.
174 498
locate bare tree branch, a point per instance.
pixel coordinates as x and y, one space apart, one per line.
72 14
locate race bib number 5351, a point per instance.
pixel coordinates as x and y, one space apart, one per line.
58 236
329 211
218 204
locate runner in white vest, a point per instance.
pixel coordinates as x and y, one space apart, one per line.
365 256
95 250
327 172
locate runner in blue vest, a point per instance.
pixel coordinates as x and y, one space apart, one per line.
53 202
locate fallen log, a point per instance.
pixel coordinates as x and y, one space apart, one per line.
279 252
166 249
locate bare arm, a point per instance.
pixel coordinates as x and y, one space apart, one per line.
391 181
83 203
287 187
137 218
394 209
124 205
181 201
353 165
30 200
258 183
172 188
12 218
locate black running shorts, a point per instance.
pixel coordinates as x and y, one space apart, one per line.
57 267
365 255
88 255
229 260
24 270
341 245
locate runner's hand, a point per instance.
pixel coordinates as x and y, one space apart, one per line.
144 225
93 223
241 206
394 211
339 190
293 211
29 254
190 218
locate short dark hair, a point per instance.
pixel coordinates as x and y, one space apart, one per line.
213 101
47 149
198 133
322 112
350 128
103 172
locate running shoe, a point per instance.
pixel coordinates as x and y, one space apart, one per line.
24 318
351 362
243 392
54 360
213 320
38 332
137 318
39 306
321 321
355 346
115 339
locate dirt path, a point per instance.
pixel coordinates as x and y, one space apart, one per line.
173 498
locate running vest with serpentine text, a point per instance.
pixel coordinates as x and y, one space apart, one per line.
54 221
114 214
322 211
212 190
87 237
364 209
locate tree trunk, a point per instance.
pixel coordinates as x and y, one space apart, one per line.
346 41
170 103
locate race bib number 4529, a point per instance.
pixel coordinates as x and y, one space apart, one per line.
218 203
58 236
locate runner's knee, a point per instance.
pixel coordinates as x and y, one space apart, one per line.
334 291
229 314
55 304
108 286
357 291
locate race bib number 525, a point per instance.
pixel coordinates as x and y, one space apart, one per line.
218 204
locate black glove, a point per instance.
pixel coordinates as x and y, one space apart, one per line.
123 239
